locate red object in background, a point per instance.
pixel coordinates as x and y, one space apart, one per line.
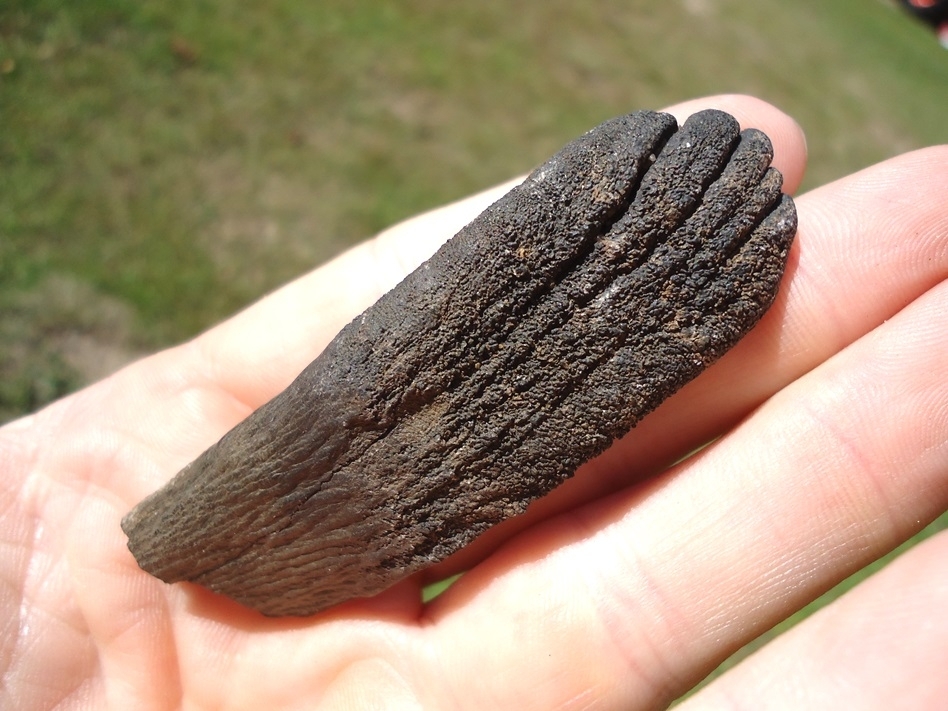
932 12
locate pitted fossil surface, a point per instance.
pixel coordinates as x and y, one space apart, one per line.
548 327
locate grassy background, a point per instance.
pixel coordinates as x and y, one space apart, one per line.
164 163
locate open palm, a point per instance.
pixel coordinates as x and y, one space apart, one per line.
622 588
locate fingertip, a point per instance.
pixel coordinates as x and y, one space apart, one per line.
785 133
311 311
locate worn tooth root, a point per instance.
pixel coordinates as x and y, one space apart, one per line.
544 330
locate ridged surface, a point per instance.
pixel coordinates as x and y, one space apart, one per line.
544 330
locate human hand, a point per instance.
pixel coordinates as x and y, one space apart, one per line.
622 588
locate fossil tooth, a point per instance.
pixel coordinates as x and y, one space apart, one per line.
545 329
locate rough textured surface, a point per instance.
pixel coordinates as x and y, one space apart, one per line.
546 328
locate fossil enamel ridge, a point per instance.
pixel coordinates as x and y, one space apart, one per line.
545 329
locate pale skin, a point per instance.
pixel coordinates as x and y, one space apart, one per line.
620 590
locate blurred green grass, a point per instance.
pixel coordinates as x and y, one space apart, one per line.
164 163
179 159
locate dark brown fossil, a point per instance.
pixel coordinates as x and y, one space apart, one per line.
569 309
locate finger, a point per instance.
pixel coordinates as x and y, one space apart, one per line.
881 646
639 595
785 134
310 312
866 247
208 385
